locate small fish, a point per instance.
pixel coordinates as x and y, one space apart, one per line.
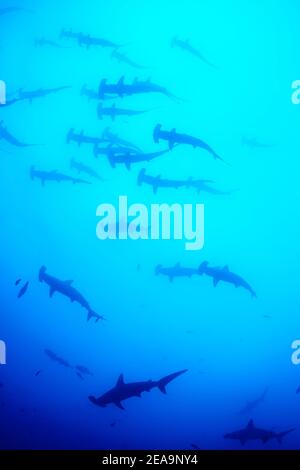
18 282
23 290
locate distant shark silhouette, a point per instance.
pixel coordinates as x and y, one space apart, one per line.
122 391
89 93
252 433
8 137
54 175
252 405
55 358
125 60
136 87
114 139
66 288
173 137
176 271
69 34
223 274
186 46
81 168
41 93
158 182
89 41
114 112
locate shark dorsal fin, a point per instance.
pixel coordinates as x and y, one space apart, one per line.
226 268
250 425
121 81
69 282
120 380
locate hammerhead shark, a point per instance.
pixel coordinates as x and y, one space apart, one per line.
223 274
89 41
112 149
122 391
81 168
120 57
252 433
41 93
83 370
176 271
55 358
186 46
54 176
128 158
8 137
66 288
158 182
83 139
252 405
46 42
172 137
113 112
136 87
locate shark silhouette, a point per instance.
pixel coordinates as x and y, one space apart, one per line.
173 137
158 182
120 57
8 137
176 271
252 433
81 168
122 391
66 288
253 404
113 112
225 275
54 175
186 46
136 87
41 93
128 157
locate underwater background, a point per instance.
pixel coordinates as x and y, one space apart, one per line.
237 98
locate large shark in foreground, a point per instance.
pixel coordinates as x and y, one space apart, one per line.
66 288
252 433
173 138
223 274
122 391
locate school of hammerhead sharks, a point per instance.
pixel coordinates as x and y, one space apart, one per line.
120 151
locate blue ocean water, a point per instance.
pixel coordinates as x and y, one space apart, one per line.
234 346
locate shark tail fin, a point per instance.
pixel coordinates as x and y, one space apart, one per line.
156 133
201 269
281 435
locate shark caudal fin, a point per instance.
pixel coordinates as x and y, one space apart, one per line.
162 383
281 435
202 267
41 273
91 314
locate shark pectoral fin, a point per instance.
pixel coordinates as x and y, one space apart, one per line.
171 278
119 405
51 292
128 165
216 281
